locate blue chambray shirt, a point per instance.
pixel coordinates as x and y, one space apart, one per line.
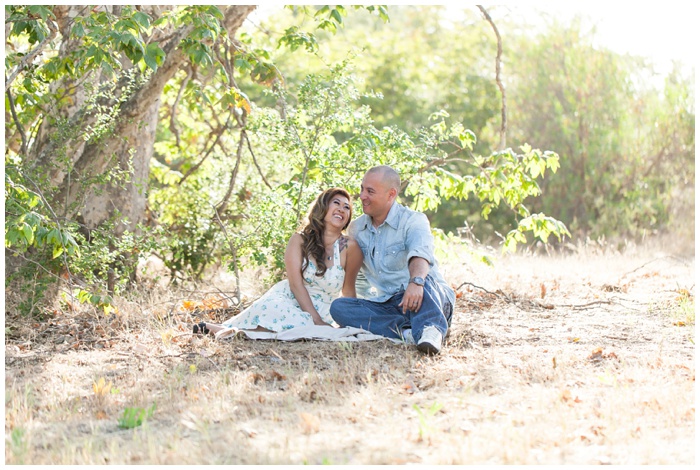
387 250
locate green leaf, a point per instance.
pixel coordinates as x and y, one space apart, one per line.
384 14
28 233
83 296
12 237
124 24
553 162
328 26
201 56
53 237
41 11
322 10
142 19
439 114
154 56
242 64
467 139
335 14
78 30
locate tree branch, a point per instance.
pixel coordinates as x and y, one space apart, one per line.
23 148
221 206
255 161
502 144
234 253
219 133
173 109
32 54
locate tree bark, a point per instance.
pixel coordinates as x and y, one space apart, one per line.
69 163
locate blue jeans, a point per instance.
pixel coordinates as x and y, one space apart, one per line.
386 318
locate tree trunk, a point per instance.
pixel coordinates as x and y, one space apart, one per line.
69 164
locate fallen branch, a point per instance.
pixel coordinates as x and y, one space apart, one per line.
514 301
478 287
654 260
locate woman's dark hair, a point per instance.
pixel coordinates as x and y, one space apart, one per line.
312 234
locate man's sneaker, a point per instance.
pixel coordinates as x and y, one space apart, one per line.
430 341
408 337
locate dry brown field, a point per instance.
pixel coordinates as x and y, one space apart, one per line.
582 358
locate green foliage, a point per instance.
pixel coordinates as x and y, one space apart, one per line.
243 149
627 147
18 444
135 417
424 418
103 37
325 18
34 232
25 223
502 177
319 134
28 229
330 138
205 20
26 21
106 255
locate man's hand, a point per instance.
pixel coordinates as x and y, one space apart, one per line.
412 298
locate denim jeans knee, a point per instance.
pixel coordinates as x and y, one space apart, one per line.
380 318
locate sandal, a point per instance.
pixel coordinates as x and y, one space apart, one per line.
200 328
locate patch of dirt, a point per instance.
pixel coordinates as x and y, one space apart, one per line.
566 359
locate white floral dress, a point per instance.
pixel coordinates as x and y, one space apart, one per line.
279 310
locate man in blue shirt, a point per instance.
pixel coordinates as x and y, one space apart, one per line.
403 293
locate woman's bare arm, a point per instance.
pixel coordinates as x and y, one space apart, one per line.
292 263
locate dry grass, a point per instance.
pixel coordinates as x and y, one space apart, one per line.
580 359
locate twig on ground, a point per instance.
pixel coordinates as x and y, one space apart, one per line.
274 353
189 333
478 287
654 260
513 300
214 363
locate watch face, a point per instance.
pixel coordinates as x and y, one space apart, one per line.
418 280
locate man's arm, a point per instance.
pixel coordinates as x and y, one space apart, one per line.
353 263
413 296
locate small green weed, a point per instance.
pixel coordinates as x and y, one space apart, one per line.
18 444
684 311
424 428
134 417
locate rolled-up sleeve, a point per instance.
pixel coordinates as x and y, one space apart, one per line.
419 238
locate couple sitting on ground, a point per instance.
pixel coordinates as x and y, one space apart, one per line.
388 260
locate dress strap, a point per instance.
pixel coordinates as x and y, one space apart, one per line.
336 252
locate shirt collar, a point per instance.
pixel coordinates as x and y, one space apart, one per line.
392 218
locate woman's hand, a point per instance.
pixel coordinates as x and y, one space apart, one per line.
319 321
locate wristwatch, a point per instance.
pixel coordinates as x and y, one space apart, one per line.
419 281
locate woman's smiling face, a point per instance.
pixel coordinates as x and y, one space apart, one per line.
339 211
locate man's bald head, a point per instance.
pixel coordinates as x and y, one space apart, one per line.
389 176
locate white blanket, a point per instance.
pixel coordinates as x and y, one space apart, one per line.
315 332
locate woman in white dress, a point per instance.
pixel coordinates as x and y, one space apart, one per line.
321 264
